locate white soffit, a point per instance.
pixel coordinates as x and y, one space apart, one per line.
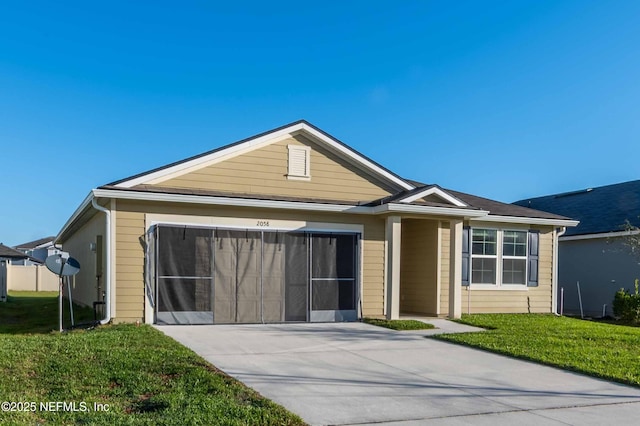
434 190
258 142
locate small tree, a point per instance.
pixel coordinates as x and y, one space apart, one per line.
631 241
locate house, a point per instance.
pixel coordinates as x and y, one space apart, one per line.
593 254
294 225
39 249
8 255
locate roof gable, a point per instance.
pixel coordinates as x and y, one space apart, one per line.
433 193
188 165
265 171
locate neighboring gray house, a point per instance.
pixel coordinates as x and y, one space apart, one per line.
8 254
593 253
39 249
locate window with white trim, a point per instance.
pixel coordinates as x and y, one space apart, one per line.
498 257
299 162
484 256
514 257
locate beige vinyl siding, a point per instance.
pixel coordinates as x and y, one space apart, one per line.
84 284
129 266
418 266
444 267
130 228
264 171
530 299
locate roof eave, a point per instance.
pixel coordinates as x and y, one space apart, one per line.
530 220
599 235
287 205
229 201
76 214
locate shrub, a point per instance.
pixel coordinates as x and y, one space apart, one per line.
626 305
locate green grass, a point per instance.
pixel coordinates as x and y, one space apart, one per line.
399 324
145 377
37 312
603 350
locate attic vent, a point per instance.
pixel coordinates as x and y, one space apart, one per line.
299 162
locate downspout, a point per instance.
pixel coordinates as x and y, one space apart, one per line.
554 278
107 269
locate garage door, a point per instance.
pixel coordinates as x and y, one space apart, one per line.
212 275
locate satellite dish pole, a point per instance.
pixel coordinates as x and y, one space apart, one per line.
60 293
62 268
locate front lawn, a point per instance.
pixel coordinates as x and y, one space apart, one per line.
399 324
136 373
598 349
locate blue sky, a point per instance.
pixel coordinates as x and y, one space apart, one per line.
503 99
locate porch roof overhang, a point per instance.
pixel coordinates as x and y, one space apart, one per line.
429 210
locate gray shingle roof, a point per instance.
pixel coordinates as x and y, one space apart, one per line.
600 209
8 252
498 208
33 244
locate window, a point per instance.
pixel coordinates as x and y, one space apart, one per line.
299 162
484 256
514 257
498 257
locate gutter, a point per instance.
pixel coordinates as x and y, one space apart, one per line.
554 277
107 271
531 220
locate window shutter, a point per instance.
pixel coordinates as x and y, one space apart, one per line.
466 258
534 248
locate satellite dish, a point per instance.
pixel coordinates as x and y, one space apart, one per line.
61 266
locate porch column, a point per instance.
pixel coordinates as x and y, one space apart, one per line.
392 236
455 269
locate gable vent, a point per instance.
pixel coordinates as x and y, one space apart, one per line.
299 162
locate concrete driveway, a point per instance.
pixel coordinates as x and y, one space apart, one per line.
354 373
